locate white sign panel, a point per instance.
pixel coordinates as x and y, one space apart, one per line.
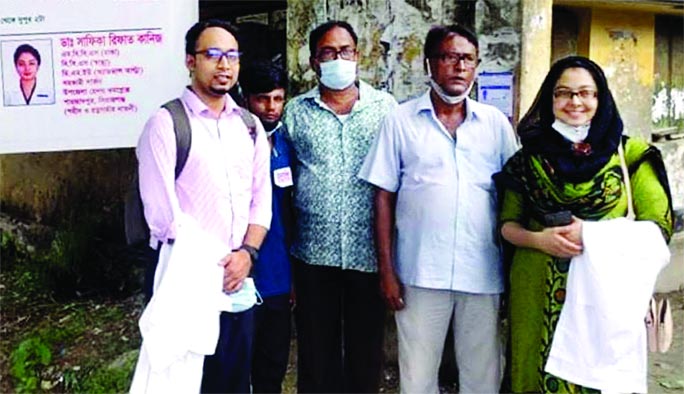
86 74
496 88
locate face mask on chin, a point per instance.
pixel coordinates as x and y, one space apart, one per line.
446 97
338 74
573 134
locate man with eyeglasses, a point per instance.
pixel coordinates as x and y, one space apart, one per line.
224 187
339 313
435 219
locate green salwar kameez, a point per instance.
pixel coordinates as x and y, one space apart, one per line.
538 280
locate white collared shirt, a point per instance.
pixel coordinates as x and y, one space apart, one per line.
446 199
41 95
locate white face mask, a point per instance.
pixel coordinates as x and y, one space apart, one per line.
338 74
446 97
245 298
571 133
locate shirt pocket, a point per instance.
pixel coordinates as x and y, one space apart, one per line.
479 166
424 165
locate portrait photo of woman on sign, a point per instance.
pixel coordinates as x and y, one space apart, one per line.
32 87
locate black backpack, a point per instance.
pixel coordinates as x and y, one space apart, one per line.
135 225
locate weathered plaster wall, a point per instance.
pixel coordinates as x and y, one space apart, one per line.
497 24
623 43
391 35
536 49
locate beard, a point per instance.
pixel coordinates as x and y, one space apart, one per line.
268 126
219 91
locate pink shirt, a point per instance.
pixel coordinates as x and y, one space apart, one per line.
225 184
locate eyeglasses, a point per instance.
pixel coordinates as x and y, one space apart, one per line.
567 94
329 54
215 54
451 58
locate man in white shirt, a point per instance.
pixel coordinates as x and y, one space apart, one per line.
435 201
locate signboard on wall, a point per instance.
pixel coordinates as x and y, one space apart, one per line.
86 74
496 88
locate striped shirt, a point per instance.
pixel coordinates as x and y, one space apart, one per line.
225 184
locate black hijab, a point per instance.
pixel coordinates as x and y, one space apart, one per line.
538 137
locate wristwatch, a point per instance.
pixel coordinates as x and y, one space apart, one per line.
253 252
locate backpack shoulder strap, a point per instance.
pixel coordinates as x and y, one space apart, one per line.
249 122
181 127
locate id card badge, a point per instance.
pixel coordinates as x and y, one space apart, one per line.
282 177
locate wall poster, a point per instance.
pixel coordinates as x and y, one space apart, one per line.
86 74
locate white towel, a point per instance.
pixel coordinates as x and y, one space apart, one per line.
600 339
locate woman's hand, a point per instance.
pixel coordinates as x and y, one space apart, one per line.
561 241
574 231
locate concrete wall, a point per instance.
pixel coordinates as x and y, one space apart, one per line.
49 187
623 43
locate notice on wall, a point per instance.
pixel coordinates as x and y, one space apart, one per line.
87 74
496 88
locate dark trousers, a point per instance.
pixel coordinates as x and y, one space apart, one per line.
227 370
340 326
272 324
150 257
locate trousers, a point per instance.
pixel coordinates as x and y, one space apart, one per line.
422 326
340 328
228 369
271 343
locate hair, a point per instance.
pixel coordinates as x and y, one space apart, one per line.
26 48
262 76
196 30
318 33
438 34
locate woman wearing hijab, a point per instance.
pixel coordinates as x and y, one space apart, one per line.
27 63
569 161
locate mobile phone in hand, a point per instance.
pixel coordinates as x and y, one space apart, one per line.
561 218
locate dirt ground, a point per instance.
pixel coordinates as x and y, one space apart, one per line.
665 371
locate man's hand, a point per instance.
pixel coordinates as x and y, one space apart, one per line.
392 291
236 266
293 297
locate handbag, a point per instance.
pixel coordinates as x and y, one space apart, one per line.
659 315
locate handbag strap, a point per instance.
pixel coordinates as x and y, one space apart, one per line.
628 186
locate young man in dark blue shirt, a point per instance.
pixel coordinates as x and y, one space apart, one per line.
263 87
